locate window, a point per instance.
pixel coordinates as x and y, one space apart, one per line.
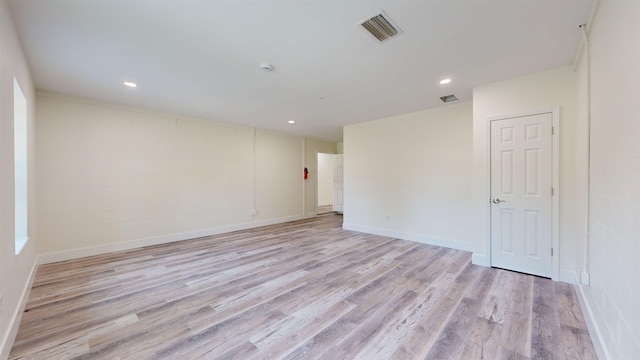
20 163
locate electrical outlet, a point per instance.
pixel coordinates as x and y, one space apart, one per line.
388 218
254 212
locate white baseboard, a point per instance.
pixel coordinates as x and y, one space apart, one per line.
566 276
430 240
594 330
7 342
480 259
163 239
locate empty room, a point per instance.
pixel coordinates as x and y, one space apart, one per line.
392 179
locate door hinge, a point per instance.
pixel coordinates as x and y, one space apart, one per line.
551 251
552 191
553 130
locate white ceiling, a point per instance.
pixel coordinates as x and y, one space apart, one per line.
201 58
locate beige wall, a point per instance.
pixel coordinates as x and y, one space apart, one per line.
541 91
613 297
15 270
410 176
114 177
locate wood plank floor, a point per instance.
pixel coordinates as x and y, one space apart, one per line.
300 290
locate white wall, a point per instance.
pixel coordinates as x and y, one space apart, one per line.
325 179
541 91
410 176
613 297
113 177
109 175
15 270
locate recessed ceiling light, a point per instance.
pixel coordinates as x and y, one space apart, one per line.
291 122
445 81
130 84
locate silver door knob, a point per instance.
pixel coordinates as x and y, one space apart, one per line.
497 201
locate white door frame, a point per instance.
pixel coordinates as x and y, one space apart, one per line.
338 192
555 180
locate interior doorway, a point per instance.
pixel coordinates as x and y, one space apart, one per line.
325 183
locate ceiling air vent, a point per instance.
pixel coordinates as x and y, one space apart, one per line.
381 27
448 98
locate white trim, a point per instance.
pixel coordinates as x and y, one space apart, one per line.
555 271
19 245
10 337
555 182
430 240
592 15
567 276
157 240
594 330
481 260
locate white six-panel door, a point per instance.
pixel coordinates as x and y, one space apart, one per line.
521 194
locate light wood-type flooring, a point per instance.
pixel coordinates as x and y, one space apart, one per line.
300 290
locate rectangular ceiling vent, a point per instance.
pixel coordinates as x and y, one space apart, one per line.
381 27
448 98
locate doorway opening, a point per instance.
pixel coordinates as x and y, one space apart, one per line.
325 183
